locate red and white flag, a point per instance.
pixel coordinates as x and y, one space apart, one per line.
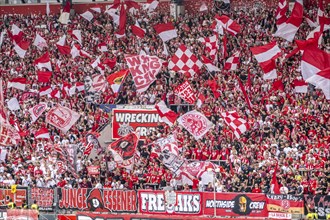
55 93
115 80
236 124
13 104
322 81
137 30
314 60
166 31
87 15
167 115
122 23
310 22
195 123
16 33
203 7
9 135
62 117
186 92
266 55
184 61
96 9
300 86
200 100
144 69
43 62
42 133
211 45
21 48
65 50
40 42
44 76
61 41
65 15
281 11
17 83
76 34
232 62
123 150
102 47
208 63
167 144
99 83
80 86
45 90
37 110
228 24
289 29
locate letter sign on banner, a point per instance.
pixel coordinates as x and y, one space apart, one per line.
186 92
44 198
156 202
125 121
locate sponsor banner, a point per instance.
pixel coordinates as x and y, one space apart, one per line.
285 203
233 204
174 203
93 170
18 197
44 198
22 214
98 200
319 204
125 121
279 215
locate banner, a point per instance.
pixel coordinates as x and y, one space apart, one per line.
97 200
144 69
62 118
44 198
125 121
93 170
186 92
8 135
233 204
20 195
99 83
319 204
22 214
174 203
285 203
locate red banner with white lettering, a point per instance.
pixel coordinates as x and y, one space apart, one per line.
97 200
144 70
125 121
186 92
234 204
20 195
170 203
93 170
44 198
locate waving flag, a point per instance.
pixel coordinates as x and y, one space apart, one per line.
232 62
211 45
43 62
16 34
123 150
322 81
289 29
228 24
44 76
87 15
167 115
45 90
65 50
21 48
137 30
236 124
186 92
281 12
200 100
166 31
185 61
115 80
17 83
65 15
266 55
42 133
37 110
62 118
76 34
102 47
300 86
39 42
122 23
208 63
195 123
144 70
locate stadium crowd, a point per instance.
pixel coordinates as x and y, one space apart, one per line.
288 128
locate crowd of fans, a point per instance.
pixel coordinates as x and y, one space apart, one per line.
287 128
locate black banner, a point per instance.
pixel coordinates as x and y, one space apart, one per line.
319 204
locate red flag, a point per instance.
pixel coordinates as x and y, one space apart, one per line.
111 63
122 22
275 188
278 85
137 30
244 93
213 85
65 50
44 76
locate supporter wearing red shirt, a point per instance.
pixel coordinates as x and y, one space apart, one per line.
256 189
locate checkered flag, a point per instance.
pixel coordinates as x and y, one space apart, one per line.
236 124
185 61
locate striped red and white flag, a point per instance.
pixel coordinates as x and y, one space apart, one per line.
42 133
300 86
166 31
167 115
43 62
45 90
17 83
322 81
